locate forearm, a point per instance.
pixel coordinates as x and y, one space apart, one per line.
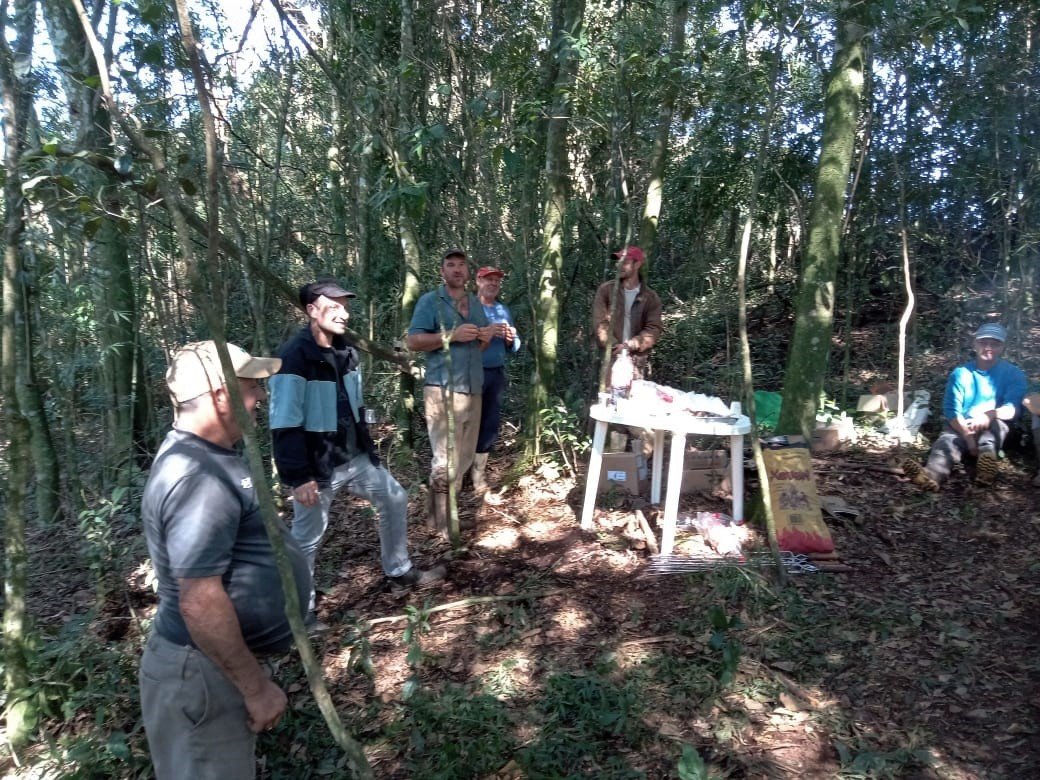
211 620
426 342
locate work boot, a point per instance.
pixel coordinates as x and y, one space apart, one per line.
476 473
987 468
919 475
417 578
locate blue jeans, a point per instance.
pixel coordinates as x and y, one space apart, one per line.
374 484
491 411
194 717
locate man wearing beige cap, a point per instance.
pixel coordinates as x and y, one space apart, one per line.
204 694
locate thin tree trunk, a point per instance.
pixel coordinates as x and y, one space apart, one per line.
655 189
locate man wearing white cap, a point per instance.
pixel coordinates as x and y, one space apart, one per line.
204 694
982 398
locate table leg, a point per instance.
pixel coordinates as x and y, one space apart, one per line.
655 483
599 437
671 501
736 457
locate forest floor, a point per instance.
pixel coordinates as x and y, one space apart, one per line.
553 652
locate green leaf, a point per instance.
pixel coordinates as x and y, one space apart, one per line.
691 765
92 81
51 147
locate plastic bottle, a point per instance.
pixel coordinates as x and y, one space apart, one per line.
621 374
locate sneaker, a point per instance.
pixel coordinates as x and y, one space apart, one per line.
417 578
315 627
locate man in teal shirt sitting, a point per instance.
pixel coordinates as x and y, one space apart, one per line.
982 398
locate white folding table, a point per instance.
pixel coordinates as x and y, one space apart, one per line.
680 426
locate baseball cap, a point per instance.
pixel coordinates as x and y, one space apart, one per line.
452 253
195 369
330 288
991 330
631 252
490 270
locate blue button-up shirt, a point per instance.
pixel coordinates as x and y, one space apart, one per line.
495 354
435 312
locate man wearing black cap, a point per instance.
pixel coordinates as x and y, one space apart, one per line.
321 439
982 397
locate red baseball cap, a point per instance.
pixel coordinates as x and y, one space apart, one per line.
489 270
631 252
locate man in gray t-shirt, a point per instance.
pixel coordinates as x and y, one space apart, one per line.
204 694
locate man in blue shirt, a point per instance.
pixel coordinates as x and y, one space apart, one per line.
505 338
451 315
982 398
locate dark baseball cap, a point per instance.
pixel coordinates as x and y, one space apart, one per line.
456 252
330 288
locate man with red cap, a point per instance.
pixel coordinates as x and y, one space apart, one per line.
505 339
632 320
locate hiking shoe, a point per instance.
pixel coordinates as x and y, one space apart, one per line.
987 468
417 578
315 628
918 475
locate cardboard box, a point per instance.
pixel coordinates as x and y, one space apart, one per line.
878 403
713 481
621 469
833 437
706 459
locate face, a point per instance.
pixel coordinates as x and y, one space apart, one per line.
253 394
989 349
628 268
455 272
489 286
330 314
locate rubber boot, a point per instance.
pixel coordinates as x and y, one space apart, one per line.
437 515
476 473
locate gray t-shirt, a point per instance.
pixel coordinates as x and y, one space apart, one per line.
202 519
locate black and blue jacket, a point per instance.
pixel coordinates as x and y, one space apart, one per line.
317 410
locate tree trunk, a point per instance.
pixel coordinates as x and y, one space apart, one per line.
655 189
21 710
115 298
814 307
567 22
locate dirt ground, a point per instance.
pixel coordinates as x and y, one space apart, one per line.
920 661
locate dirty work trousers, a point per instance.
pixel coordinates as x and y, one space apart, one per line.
950 448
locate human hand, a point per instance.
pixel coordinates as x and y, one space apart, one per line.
265 706
307 493
465 333
487 333
508 333
620 346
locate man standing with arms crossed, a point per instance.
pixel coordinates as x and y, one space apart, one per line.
452 313
204 694
322 443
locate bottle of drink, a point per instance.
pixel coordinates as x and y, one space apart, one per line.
621 374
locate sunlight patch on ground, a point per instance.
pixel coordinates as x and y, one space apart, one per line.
542 530
570 623
500 539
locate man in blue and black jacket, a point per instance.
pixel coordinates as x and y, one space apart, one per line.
321 439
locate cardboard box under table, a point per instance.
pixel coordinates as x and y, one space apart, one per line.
680 426
620 468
